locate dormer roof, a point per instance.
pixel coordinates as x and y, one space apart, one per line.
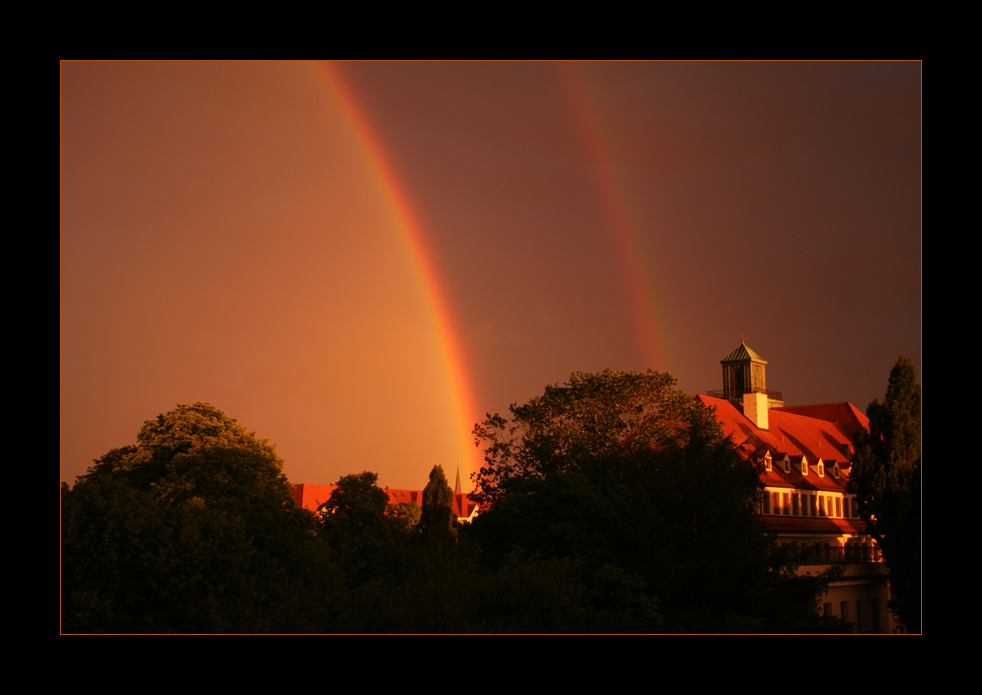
795 434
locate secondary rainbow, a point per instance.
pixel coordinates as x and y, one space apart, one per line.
599 143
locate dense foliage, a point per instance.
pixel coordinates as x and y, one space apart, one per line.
623 469
612 503
191 530
886 479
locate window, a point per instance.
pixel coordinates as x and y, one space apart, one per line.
787 503
804 466
838 506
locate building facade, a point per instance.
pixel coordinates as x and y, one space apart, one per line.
804 498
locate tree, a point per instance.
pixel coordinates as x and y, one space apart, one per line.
353 522
191 530
621 468
886 478
586 425
436 523
404 518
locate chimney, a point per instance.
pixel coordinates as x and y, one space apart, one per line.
755 408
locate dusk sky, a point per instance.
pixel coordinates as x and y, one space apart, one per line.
357 261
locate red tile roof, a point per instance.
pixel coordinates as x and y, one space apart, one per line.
815 431
845 413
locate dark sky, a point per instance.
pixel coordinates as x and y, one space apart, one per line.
357 261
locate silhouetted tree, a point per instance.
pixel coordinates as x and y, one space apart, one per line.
353 522
437 521
886 478
191 530
621 468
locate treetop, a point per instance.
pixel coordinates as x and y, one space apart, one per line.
594 417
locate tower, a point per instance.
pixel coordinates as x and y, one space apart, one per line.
743 372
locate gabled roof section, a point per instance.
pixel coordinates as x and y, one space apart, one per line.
742 354
311 496
845 414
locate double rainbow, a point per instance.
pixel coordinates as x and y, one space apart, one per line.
599 145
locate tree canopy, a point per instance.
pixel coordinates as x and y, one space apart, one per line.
437 520
191 530
593 424
886 479
623 469
353 522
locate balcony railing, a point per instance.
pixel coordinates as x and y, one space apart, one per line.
850 554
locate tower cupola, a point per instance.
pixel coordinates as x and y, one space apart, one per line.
744 371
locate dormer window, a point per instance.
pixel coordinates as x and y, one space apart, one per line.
787 464
804 465
821 469
835 470
767 462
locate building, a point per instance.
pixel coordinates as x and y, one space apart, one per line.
313 496
805 501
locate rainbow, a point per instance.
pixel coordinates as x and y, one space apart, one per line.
600 143
438 307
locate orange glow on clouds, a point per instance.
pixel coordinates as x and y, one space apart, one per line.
358 260
440 314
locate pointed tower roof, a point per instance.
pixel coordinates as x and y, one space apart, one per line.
742 354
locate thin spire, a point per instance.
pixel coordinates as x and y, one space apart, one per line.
456 487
